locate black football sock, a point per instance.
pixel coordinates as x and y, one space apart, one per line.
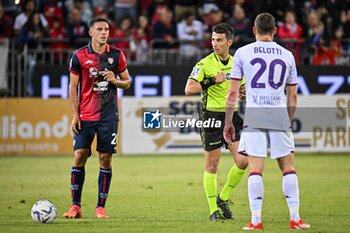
77 182
104 181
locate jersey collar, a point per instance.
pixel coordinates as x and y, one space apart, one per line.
90 50
218 59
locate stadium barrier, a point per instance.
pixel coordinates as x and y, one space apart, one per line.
22 59
35 127
42 127
320 125
156 80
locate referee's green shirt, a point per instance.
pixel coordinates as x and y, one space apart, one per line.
214 98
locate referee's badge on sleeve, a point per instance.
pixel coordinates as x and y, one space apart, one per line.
195 72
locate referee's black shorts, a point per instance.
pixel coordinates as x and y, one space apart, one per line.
212 138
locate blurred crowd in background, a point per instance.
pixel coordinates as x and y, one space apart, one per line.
317 32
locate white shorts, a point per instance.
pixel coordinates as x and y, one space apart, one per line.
255 142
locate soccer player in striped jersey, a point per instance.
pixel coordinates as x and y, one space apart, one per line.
94 71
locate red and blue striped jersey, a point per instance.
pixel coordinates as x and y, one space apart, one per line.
97 97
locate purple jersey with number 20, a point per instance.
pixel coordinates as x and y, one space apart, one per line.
267 68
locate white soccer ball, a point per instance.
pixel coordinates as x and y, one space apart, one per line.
44 211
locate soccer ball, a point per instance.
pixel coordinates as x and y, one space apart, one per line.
44 211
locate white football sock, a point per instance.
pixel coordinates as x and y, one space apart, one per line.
291 192
256 195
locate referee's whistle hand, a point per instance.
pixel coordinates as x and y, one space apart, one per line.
220 77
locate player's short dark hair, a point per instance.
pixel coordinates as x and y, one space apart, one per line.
265 24
96 20
224 28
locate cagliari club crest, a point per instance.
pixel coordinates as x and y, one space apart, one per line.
110 60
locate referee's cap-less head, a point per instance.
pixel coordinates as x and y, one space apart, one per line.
224 28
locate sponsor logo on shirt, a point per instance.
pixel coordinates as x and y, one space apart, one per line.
101 86
88 62
93 72
267 99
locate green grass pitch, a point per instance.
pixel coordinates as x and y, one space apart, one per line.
165 194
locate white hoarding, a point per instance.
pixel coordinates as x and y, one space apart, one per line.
321 125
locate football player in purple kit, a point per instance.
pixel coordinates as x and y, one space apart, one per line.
96 71
269 71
